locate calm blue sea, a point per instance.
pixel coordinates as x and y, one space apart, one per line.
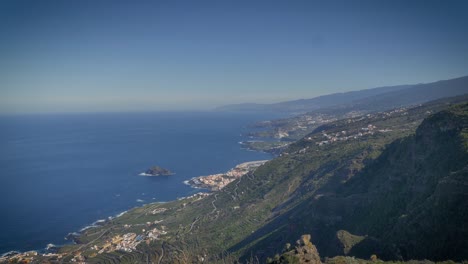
61 172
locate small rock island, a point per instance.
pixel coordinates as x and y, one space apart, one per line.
157 171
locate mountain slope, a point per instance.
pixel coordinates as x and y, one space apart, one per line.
415 194
303 105
376 99
412 95
409 203
388 183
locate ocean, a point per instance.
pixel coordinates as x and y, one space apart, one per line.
61 172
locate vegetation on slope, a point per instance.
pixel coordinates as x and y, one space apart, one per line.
408 203
396 190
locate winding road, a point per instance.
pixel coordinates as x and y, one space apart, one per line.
213 203
193 223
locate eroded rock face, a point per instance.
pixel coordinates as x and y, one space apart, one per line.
304 252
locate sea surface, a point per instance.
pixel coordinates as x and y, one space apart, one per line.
61 172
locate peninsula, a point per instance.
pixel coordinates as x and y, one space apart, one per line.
157 171
217 181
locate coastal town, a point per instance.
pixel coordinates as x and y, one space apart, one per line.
132 235
292 128
127 240
343 135
287 131
368 130
17 257
218 181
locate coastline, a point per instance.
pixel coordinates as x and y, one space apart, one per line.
73 238
91 223
70 238
216 182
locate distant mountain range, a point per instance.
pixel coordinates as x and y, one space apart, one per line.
375 99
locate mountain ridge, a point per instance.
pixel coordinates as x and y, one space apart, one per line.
361 204
373 99
302 104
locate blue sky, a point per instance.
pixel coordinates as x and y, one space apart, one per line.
74 56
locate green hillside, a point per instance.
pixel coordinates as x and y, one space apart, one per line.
386 183
408 203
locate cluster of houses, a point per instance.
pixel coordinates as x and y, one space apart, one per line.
16 257
344 135
213 182
402 111
220 180
129 241
158 210
196 196
281 134
316 119
243 168
304 122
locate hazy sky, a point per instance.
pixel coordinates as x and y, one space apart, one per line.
171 55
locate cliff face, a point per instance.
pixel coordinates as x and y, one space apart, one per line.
414 197
434 221
410 202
